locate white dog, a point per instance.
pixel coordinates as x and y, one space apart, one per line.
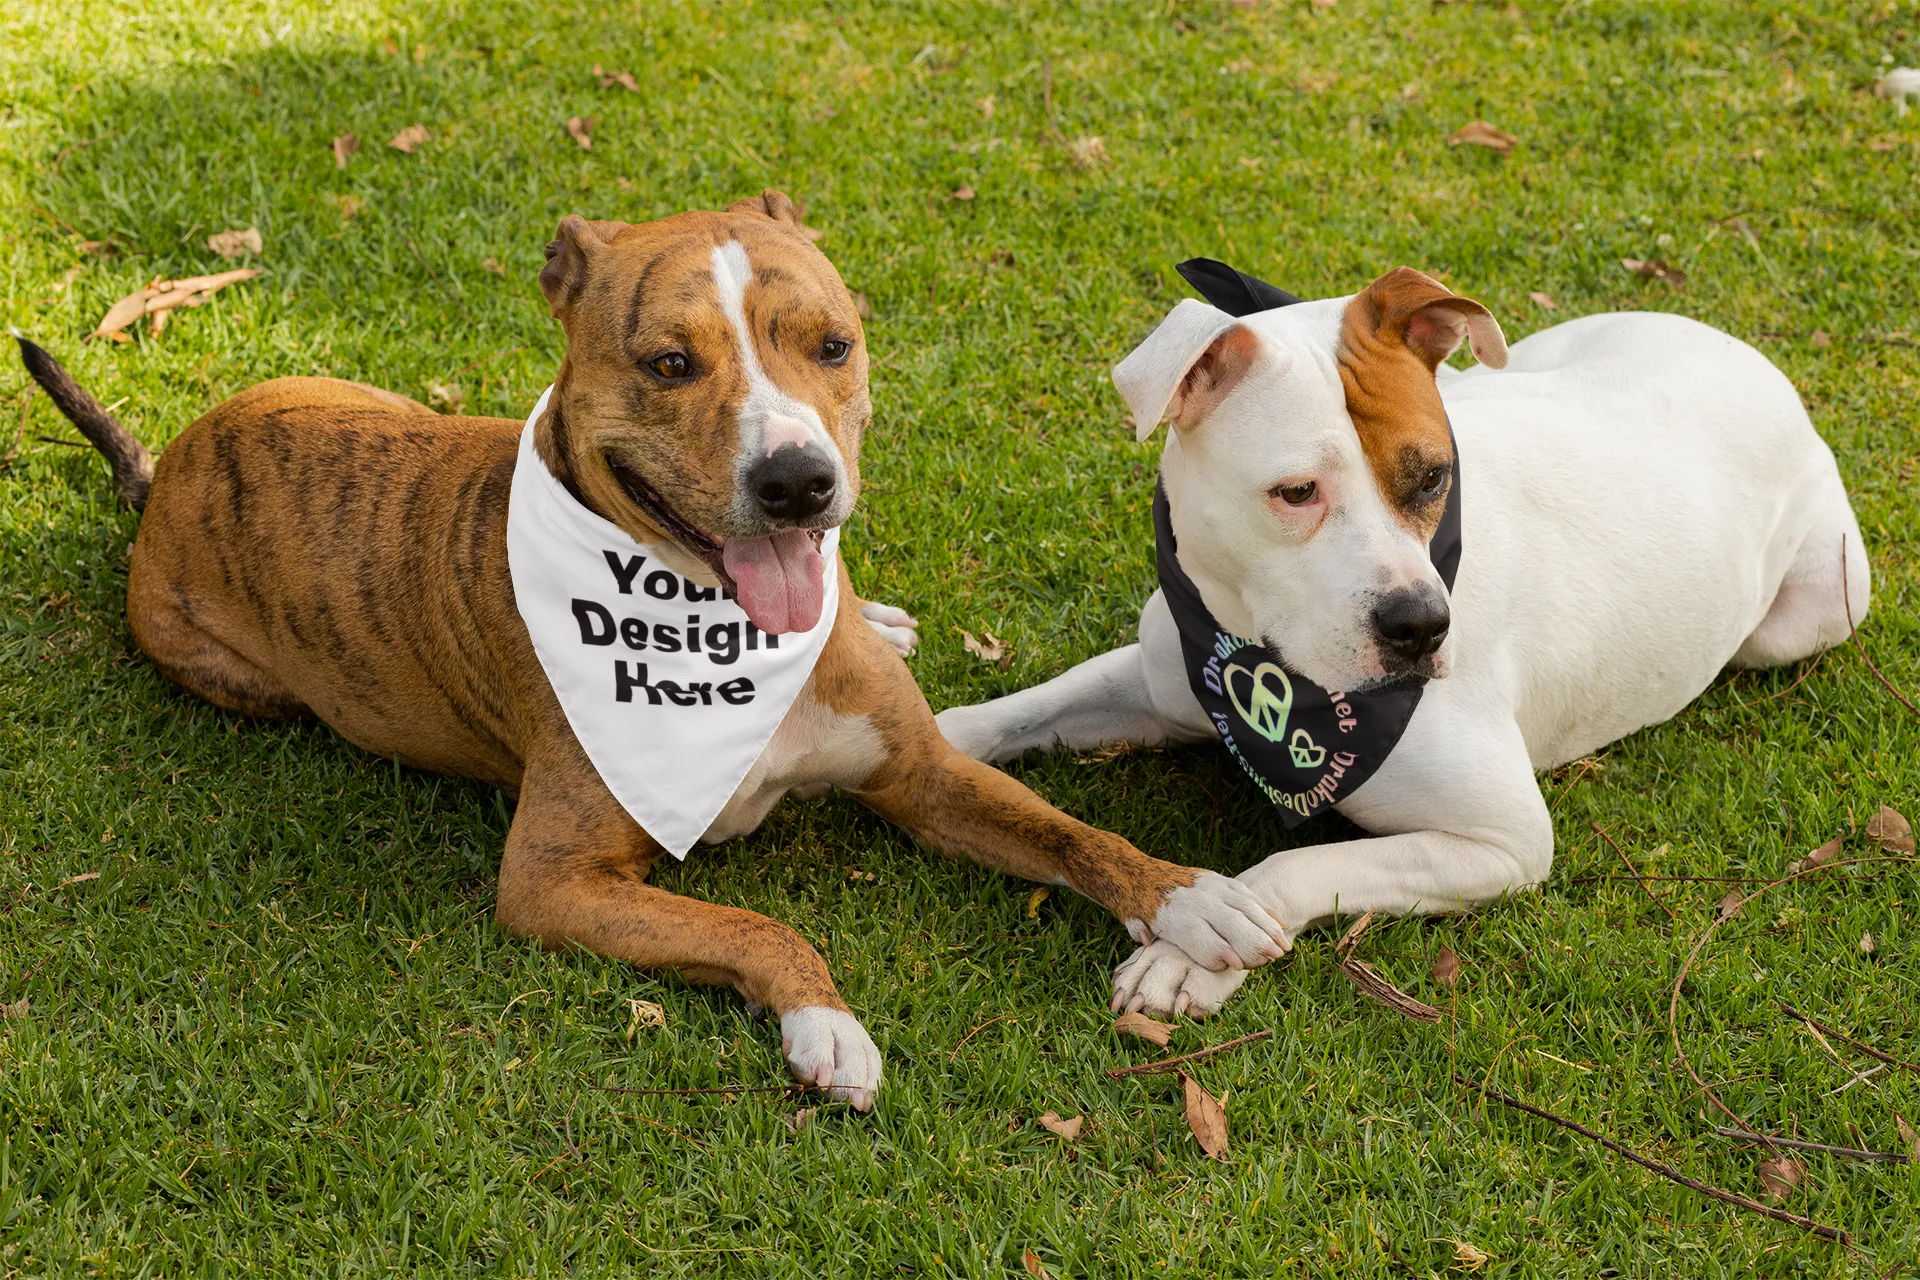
1641 502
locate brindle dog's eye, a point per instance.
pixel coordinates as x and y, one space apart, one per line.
1435 477
671 365
835 350
1295 495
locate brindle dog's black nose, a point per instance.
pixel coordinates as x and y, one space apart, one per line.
1410 623
795 482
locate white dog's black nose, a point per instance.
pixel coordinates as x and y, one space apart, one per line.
794 482
1410 623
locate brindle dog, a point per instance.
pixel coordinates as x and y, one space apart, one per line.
314 547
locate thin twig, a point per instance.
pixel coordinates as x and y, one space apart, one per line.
976 1031
628 1115
745 1088
1144 1068
1602 831
1853 633
1867 1049
1672 1174
71 444
80 146
1680 879
1845 1153
1870 1071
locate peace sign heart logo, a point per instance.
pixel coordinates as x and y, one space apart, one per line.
1268 702
1306 753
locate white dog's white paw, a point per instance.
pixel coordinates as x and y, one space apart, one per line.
896 626
1162 979
829 1049
1217 921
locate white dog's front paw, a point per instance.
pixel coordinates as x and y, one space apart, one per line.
829 1049
1162 979
896 626
1217 921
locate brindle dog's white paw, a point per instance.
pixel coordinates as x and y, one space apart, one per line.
1162 979
829 1049
1217 921
896 626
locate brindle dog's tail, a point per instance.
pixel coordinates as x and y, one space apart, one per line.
132 464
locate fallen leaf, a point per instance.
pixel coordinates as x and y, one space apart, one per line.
82 878
1780 1175
962 192
1003 258
409 138
446 396
157 321
101 247
1907 1135
1890 829
1316 84
1205 1117
1446 966
1820 338
861 307
1544 301
343 146
1089 152
1150 1029
644 1013
1034 900
1068 1129
388 47
1351 938
18 1009
1885 144
986 106
1323 4
164 295
1825 853
1246 6
1730 905
988 648
1866 944
1035 1268
236 244
494 265
348 205
1469 1258
578 127
1656 269
1481 134
800 1119
622 78
1369 983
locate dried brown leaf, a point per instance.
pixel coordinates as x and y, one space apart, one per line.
1656 269
1446 966
16 1010
494 265
1890 829
1544 300
1035 1268
82 878
158 321
987 647
1323 4
446 396
1908 1136
343 146
1481 134
348 205
410 138
986 106
622 78
1316 84
962 192
1820 339
1730 905
164 295
1205 1117
1150 1029
1089 152
1067 1129
1351 938
800 1119
579 128
644 1013
123 313
1780 1175
1469 1258
1034 900
1867 944
1369 983
236 244
1825 853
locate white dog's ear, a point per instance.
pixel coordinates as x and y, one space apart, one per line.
1432 320
1185 367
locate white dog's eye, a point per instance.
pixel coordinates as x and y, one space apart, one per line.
1294 495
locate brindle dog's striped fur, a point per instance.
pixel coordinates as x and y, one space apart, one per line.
320 547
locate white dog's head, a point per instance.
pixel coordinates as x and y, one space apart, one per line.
1308 467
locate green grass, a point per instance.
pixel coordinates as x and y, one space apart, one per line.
280 1034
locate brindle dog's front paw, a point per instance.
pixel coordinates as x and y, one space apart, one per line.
1162 979
1219 922
896 626
829 1049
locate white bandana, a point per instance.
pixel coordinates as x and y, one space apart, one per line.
670 690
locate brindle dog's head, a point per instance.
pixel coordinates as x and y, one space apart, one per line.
713 395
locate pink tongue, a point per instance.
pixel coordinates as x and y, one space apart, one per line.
779 580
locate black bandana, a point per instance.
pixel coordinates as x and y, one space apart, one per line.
1306 748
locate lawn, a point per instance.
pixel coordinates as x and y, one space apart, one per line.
260 1019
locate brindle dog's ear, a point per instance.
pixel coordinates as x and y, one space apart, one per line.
772 204
1431 319
569 255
